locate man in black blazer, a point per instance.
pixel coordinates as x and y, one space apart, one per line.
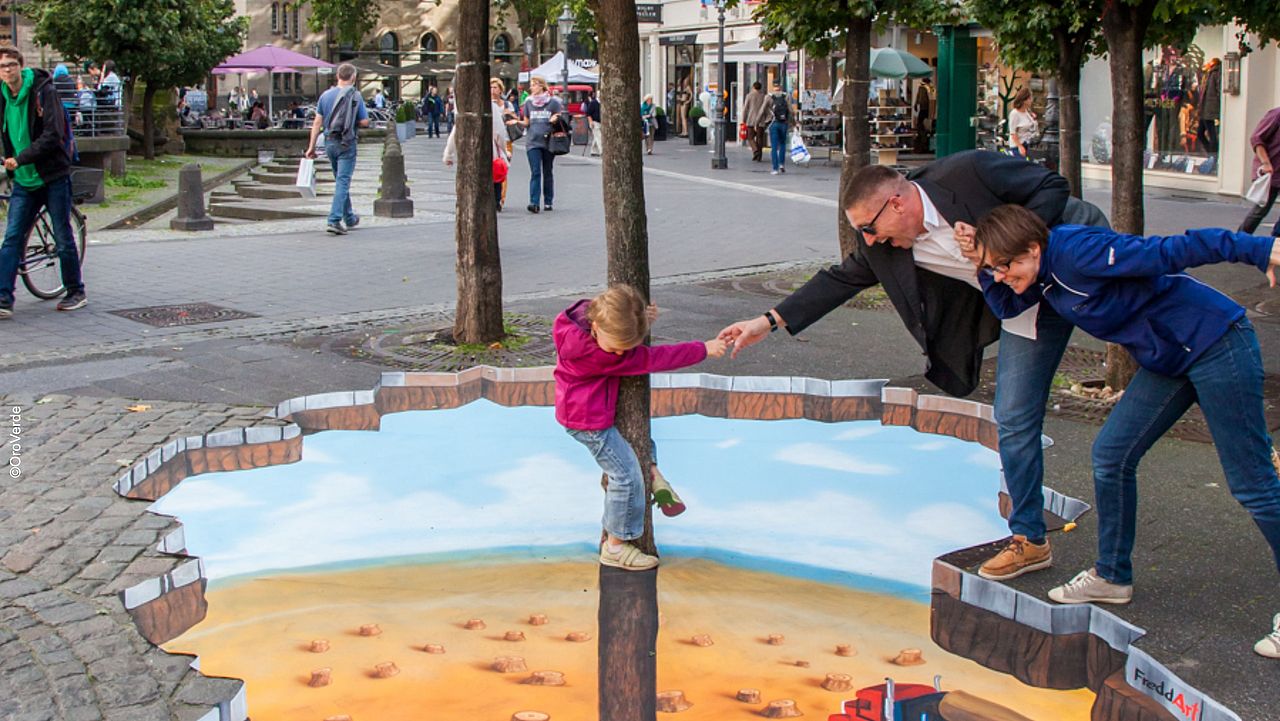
908 225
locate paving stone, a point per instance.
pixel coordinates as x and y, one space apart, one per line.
55 573
19 587
67 614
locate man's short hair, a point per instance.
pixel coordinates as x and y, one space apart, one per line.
346 72
755 85
870 181
9 51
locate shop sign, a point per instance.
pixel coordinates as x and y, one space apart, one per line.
649 12
690 39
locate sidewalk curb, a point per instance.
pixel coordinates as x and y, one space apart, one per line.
164 205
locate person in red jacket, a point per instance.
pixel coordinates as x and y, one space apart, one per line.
597 342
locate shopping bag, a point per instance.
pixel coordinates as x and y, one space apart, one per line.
1260 189
305 182
799 153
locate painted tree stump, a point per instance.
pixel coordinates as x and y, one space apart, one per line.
318 645
845 649
801 664
321 677
908 657
703 640
433 648
838 682
578 637
537 619
775 639
545 678
474 624
672 702
508 664
749 695
784 708
513 636
386 670
370 629
530 716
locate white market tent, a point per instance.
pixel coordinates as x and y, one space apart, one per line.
553 71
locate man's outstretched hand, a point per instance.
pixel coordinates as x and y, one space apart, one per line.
745 333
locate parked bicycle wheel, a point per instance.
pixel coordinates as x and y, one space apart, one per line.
39 269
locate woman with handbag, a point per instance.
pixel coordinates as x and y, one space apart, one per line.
1265 143
501 157
539 115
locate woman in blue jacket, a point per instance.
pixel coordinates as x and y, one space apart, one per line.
1193 344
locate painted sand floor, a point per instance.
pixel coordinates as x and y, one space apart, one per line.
822 534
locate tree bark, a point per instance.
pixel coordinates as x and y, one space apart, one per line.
149 122
1125 29
479 267
857 134
1070 59
627 682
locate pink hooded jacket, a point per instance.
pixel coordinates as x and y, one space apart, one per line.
587 376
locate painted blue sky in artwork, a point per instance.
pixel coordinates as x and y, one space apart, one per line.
851 497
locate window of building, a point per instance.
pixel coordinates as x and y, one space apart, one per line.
502 45
430 45
297 25
275 17
390 46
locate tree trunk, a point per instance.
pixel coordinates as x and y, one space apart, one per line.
857 134
149 122
479 267
1125 29
1070 59
627 680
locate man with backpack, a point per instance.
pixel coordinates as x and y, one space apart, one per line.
339 112
780 115
38 153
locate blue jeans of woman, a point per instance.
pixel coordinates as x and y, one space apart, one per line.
1227 383
1024 376
24 205
344 166
624 496
542 181
778 144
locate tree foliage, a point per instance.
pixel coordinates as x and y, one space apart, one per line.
351 20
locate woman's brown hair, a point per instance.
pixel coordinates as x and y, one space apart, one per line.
1023 96
1009 231
620 311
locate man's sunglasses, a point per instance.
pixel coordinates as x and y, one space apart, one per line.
870 228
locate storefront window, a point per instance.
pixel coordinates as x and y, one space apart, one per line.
1182 97
684 79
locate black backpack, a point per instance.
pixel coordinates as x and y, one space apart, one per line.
781 110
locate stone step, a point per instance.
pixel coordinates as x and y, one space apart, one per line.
262 191
283 178
267 211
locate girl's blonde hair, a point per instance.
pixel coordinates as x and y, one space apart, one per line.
620 311
498 81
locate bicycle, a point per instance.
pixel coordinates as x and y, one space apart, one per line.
38 267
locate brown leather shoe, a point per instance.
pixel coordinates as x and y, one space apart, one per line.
1017 558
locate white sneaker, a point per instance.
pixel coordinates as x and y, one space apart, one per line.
1269 646
1089 587
773 172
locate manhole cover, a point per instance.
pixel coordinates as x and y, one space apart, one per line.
167 316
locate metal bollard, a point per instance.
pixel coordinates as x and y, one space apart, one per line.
393 197
191 214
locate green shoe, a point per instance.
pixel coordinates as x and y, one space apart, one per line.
665 496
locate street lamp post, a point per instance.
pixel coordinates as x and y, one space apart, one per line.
565 24
528 52
719 161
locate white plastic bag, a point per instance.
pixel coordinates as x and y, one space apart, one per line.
1260 189
799 153
305 183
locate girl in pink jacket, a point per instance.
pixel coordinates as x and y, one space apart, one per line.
597 342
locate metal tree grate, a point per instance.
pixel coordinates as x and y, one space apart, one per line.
429 346
167 316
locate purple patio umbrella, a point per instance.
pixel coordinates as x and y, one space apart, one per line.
272 59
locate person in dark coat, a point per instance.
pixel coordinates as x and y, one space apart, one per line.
908 226
1210 105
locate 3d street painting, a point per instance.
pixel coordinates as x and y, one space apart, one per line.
443 566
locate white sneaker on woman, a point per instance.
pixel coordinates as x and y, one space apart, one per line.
1269 646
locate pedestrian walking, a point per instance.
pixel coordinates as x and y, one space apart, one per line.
379 99
433 107
648 123
908 225
591 108
340 112
1265 143
501 158
539 112
37 158
755 119
1192 343
1022 124
779 123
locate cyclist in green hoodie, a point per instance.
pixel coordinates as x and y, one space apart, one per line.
35 137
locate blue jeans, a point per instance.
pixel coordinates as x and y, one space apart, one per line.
24 206
344 165
433 125
542 180
1227 383
778 144
1024 377
624 496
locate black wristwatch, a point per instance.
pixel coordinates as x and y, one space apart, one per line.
773 324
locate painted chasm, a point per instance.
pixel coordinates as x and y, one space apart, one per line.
801 537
